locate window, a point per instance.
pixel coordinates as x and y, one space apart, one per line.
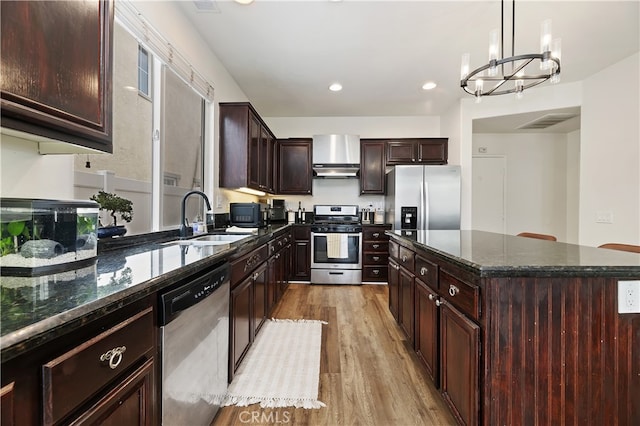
143 71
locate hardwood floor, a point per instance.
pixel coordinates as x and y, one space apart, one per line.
369 375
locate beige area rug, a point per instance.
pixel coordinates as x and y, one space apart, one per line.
282 367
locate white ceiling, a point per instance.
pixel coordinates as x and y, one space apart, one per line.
285 54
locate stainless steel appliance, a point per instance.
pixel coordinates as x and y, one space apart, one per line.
336 245
278 211
423 197
249 215
336 156
194 333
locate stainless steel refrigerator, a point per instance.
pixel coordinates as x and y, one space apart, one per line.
423 197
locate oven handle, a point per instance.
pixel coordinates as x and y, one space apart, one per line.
324 234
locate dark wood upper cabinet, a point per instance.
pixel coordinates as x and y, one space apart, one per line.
417 151
246 148
295 171
372 166
56 77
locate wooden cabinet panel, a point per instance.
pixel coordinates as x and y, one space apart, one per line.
375 273
246 148
127 403
7 413
407 308
394 288
245 264
375 253
49 89
427 333
75 376
462 295
417 151
372 167
460 355
406 258
301 253
259 297
241 312
427 271
295 172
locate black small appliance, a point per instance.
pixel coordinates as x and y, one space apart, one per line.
408 217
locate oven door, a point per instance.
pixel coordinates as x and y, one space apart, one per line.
336 250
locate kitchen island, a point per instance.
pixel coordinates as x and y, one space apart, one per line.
520 331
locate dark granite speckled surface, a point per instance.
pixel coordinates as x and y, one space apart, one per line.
35 310
490 254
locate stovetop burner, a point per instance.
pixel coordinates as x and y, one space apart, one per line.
336 218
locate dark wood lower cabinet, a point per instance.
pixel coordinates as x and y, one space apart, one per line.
259 297
240 313
460 345
301 261
427 330
407 308
7 413
394 287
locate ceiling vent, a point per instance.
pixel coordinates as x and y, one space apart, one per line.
206 6
546 121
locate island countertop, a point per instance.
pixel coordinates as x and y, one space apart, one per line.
494 255
35 310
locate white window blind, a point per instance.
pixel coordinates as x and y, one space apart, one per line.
149 37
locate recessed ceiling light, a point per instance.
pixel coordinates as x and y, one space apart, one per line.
429 85
335 87
244 1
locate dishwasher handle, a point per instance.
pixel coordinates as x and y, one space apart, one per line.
189 293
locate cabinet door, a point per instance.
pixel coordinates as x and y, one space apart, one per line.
401 152
394 286
426 329
267 152
272 283
56 82
255 141
372 167
259 297
7 413
301 261
433 151
460 360
407 309
129 403
241 330
295 172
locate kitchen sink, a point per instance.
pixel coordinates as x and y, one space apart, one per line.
211 240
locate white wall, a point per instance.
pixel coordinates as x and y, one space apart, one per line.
573 187
610 154
536 186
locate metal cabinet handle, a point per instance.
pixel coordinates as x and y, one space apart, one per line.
278 256
376 258
453 290
376 234
375 271
375 245
423 271
255 276
432 296
404 258
114 356
439 302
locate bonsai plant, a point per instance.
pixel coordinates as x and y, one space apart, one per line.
114 205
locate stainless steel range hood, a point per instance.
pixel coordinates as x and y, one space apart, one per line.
336 156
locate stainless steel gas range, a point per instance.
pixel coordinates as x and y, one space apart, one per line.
336 245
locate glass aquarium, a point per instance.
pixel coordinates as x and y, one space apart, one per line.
44 236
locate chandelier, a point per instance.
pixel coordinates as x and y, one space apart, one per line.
516 73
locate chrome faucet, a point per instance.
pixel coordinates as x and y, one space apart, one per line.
183 219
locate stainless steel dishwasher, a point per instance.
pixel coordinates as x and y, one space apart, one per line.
194 333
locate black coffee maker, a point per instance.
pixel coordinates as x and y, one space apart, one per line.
278 212
408 217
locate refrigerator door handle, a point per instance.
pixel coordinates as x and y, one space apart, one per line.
425 206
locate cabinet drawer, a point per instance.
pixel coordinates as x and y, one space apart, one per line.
406 258
79 374
375 246
243 266
375 258
374 273
375 233
278 243
462 295
427 271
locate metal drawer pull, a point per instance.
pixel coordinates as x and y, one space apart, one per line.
376 258
404 258
431 296
439 302
375 245
114 356
423 271
376 234
376 271
453 290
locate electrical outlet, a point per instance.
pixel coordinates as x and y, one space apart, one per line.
604 217
218 201
629 297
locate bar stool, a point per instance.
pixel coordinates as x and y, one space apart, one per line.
621 247
538 236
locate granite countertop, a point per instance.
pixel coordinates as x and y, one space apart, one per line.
35 310
491 254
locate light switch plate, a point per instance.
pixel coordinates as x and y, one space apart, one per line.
628 297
